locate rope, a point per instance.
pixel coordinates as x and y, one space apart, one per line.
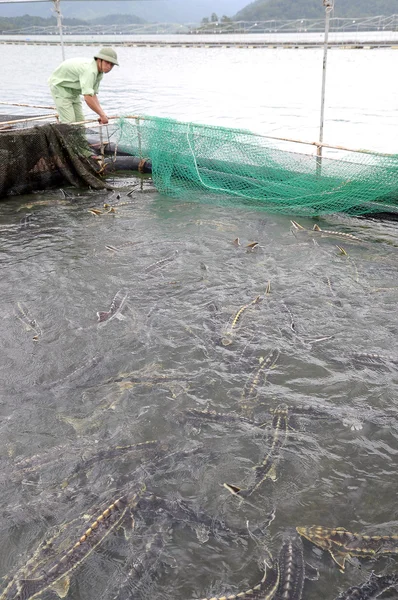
41 118
210 187
260 186
28 105
101 142
92 123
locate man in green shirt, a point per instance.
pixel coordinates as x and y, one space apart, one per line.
81 76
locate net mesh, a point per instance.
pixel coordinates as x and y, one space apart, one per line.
237 167
45 156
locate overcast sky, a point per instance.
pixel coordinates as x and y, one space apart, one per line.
180 11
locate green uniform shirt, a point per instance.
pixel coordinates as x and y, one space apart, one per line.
76 76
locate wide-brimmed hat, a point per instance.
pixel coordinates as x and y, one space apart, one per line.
107 53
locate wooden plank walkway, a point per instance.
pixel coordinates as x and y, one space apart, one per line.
219 44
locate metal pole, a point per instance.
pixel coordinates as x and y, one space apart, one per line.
57 9
328 4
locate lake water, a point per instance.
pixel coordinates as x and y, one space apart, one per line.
192 335
269 91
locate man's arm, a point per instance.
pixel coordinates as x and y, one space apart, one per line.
93 103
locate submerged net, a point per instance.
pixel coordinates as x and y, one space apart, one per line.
43 157
237 167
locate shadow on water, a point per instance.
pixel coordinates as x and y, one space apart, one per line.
214 319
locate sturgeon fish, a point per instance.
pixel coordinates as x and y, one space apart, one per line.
267 469
161 262
257 379
265 590
293 569
35 561
110 453
217 417
183 515
376 585
86 456
117 304
30 324
25 221
82 369
229 332
371 357
123 245
37 580
341 544
144 568
296 227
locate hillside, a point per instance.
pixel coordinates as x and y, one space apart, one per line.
263 10
189 11
9 24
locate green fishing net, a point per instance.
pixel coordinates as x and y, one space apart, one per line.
235 167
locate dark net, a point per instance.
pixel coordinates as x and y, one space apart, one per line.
46 156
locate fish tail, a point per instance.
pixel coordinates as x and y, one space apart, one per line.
103 316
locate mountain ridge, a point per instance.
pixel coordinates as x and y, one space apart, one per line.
177 11
264 10
188 11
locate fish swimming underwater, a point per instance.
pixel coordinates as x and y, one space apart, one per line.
316 230
117 304
95 211
217 417
30 324
235 321
265 590
341 544
145 567
25 221
82 458
256 380
186 514
160 263
36 578
267 468
372 588
369 358
293 569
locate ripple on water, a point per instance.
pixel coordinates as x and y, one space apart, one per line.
82 385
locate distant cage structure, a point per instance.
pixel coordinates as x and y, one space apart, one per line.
382 25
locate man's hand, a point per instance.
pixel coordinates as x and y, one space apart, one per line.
93 103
